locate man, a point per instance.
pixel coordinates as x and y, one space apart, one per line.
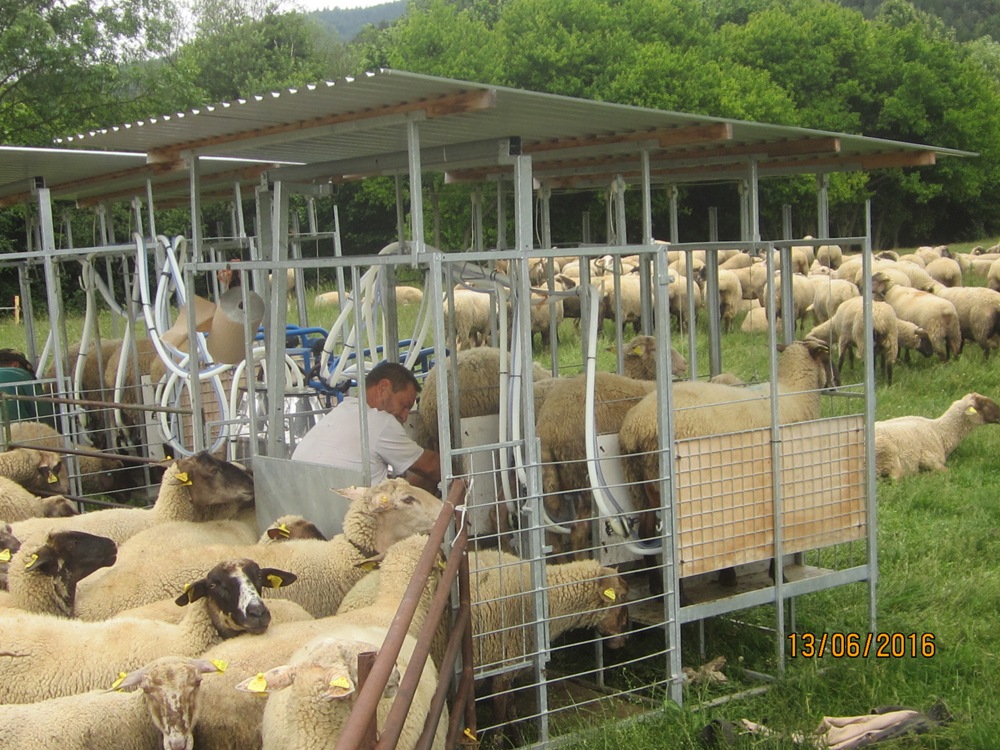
390 392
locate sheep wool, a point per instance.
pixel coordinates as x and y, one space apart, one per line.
19 504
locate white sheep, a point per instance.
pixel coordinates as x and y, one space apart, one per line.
166 610
710 408
829 294
472 313
752 279
848 325
224 603
478 390
97 473
978 311
628 298
19 504
730 294
919 278
193 488
153 707
831 256
377 518
43 578
945 271
38 471
907 445
993 276
913 337
233 720
311 697
936 315
802 298
677 292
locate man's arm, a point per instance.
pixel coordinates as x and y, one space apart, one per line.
425 472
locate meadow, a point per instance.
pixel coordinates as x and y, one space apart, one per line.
938 547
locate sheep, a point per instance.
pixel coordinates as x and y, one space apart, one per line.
97 473
848 324
90 654
752 279
159 710
377 517
18 504
829 294
919 278
628 298
43 578
913 258
639 362
907 445
471 317
709 408
756 320
285 528
572 303
945 271
544 307
800 261
182 534
913 337
739 260
677 293
831 256
327 299
41 472
582 594
478 390
730 294
199 487
936 315
993 276
233 721
309 710
928 254
802 298
978 311
166 610
9 544
560 430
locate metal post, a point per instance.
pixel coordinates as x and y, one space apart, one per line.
870 513
275 246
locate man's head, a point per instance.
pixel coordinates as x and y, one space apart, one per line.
392 388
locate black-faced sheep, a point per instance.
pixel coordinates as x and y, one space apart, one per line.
97 474
41 472
908 445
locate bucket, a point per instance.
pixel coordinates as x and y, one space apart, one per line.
226 341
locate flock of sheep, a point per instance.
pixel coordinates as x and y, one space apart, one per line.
178 627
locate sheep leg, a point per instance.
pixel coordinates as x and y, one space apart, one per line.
647 530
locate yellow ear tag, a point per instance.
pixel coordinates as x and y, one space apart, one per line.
220 664
637 350
258 684
469 734
52 478
5 555
610 594
119 681
31 561
384 500
284 530
183 478
369 566
340 682
275 581
970 411
441 564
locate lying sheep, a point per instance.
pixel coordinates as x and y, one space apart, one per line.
978 311
90 655
377 517
43 578
155 706
709 408
97 473
194 488
907 445
41 472
311 697
233 720
848 326
478 390
19 504
934 314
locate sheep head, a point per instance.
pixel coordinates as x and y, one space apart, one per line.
66 557
980 410
170 687
881 284
212 481
232 592
57 507
614 622
398 508
286 528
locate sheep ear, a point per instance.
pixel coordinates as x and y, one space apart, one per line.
192 592
371 563
352 493
278 532
129 681
274 578
43 560
264 682
340 687
206 666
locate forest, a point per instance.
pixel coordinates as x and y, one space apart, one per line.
890 70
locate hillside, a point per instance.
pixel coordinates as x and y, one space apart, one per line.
970 19
347 22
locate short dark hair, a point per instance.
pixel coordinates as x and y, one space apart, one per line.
397 375
14 358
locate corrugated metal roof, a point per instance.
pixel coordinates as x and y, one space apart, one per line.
572 141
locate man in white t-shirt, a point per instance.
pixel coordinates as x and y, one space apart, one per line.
390 393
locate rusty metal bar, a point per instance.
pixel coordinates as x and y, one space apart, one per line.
369 696
366 661
123 457
393 725
462 623
95 404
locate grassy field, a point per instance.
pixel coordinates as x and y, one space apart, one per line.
938 545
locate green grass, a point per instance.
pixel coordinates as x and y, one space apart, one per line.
938 545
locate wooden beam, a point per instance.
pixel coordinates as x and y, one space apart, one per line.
667 137
244 174
905 159
446 105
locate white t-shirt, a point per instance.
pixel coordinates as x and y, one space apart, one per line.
336 441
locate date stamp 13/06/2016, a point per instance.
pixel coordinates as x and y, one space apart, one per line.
862 645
